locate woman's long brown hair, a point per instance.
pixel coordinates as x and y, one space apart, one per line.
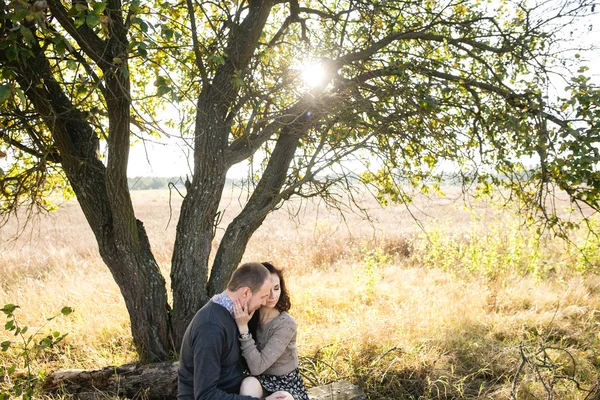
283 304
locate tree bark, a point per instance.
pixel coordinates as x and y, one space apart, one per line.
195 228
153 381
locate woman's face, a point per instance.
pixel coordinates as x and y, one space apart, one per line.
275 291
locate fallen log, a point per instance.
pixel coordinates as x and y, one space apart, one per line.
150 381
155 382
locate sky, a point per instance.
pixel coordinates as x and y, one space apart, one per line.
168 158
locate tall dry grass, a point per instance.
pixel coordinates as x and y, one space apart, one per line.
474 306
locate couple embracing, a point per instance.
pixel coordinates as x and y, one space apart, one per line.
250 320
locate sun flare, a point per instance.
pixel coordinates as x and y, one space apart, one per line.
313 74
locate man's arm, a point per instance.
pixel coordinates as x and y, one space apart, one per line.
207 349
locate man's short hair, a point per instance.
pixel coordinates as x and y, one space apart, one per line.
251 275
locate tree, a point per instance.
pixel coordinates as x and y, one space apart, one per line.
409 86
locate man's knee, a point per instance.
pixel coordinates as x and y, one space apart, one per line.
251 387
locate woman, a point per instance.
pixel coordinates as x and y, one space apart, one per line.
268 343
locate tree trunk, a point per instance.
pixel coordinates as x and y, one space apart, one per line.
196 225
124 247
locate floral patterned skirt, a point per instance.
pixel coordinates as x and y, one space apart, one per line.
291 383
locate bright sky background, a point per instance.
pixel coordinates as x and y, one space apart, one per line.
167 158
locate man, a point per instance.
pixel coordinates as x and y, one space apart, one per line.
210 361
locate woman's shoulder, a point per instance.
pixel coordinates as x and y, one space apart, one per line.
286 319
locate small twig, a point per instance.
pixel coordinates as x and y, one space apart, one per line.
374 364
513 393
171 186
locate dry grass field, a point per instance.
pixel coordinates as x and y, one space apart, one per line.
461 303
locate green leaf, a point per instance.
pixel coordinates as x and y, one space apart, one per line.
24 330
11 53
4 96
79 21
162 90
45 342
10 325
92 20
99 7
60 46
142 24
217 59
11 369
125 71
20 14
167 33
72 11
81 89
66 310
27 34
21 96
60 338
5 345
72 65
142 50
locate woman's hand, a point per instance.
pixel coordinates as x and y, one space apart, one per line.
240 312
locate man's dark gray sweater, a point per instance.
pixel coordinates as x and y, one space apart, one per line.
210 361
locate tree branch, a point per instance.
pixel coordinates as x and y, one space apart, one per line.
198 55
374 48
51 157
89 42
244 146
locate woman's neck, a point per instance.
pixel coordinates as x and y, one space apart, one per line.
267 314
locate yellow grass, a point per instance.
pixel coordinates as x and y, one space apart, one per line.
445 313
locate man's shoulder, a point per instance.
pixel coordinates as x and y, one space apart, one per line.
210 322
212 307
212 314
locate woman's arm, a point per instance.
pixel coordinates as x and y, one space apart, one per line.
242 317
260 361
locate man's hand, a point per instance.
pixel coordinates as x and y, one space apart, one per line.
280 396
240 311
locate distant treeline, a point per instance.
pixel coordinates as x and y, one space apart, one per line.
156 182
153 182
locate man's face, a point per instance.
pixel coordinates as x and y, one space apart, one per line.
259 298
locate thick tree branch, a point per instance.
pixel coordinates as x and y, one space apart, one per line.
244 37
263 200
89 42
